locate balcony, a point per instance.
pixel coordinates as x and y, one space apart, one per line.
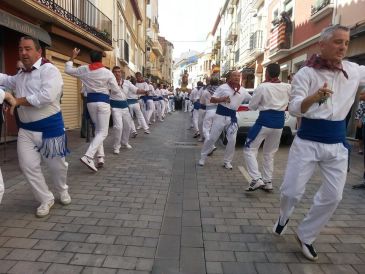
83 14
231 37
321 9
156 72
279 39
157 48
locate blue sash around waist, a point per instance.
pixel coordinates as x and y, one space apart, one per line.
54 140
202 106
196 105
155 98
132 101
160 98
149 97
118 104
323 131
224 111
267 118
94 97
186 98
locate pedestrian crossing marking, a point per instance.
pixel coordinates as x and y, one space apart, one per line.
244 173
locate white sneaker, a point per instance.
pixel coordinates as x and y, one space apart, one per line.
116 151
255 184
201 162
139 127
308 250
147 131
43 209
89 163
100 162
228 166
128 146
267 186
65 198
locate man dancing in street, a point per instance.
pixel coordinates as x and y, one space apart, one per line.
271 98
38 89
323 92
122 119
229 97
98 82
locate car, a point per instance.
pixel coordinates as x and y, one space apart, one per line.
246 118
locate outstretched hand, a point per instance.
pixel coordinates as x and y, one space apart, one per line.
75 52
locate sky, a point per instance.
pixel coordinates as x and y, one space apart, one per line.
184 21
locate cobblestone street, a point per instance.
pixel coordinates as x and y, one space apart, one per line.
153 210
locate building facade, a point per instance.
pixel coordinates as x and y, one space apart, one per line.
60 25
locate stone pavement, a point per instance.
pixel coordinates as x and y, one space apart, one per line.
152 210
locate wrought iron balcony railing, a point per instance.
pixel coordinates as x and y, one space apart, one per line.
84 15
319 5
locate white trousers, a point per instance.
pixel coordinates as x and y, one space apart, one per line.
100 115
172 104
219 123
2 187
200 121
135 109
186 105
158 108
121 126
304 157
30 164
163 107
207 123
271 145
196 120
149 109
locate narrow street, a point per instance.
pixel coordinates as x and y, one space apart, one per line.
153 210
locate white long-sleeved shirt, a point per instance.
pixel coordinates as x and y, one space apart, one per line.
42 88
205 98
273 96
308 80
143 86
2 96
195 94
99 80
129 89
235 99
158 92
124 87
151 90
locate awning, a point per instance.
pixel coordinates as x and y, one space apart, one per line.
20 25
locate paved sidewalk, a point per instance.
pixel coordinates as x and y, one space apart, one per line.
153 210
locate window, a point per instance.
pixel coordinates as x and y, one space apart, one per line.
288 7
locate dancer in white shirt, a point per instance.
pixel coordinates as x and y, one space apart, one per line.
122 119
7 97
41 136
211 108
271 98
134 106
228 97
98 83
195 97
322 94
